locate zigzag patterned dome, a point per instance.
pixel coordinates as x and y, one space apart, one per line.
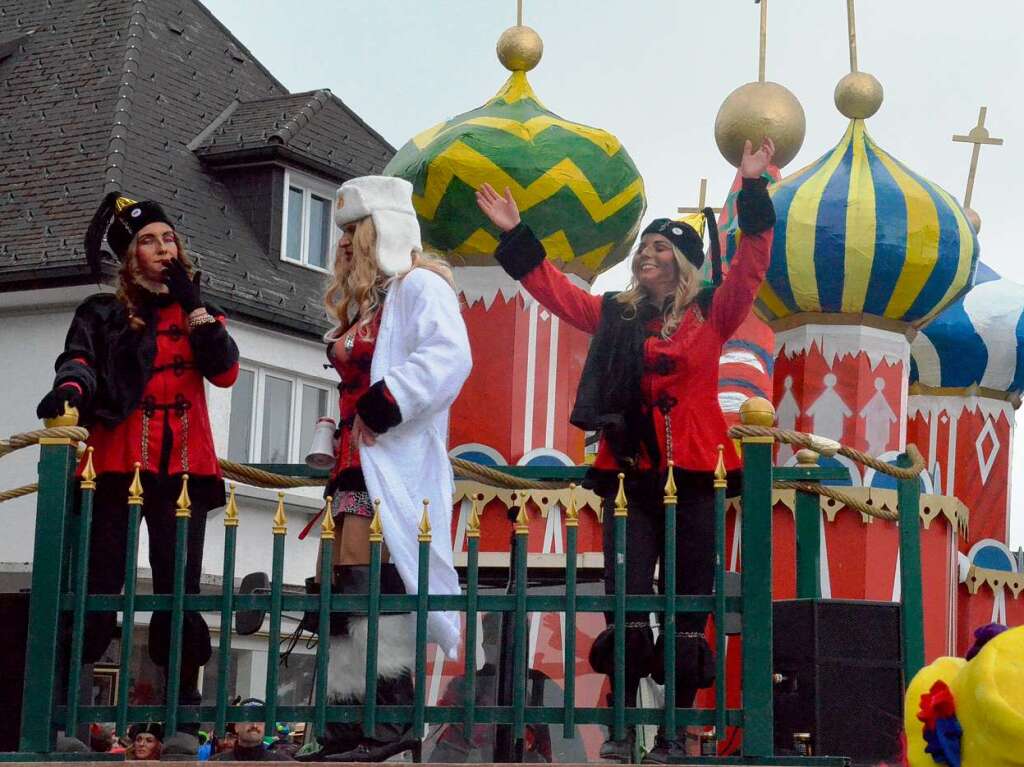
576 186
977 342
858 232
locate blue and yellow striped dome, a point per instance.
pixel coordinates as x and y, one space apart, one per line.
858 232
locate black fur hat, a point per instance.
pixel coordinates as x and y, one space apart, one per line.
690 241
153 728
120 219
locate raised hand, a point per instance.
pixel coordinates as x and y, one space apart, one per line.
182 289
502 211
754 164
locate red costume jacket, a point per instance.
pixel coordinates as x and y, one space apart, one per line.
143 396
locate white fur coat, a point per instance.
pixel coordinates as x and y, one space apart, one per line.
422 353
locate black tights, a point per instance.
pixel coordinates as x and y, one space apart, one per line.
107 553
645 546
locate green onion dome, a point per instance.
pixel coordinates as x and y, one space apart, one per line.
576 186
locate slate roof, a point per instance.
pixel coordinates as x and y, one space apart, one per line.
116 94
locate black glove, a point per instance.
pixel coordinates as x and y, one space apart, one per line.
52 405
182 289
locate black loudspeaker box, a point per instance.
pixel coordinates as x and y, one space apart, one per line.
838 679
13 639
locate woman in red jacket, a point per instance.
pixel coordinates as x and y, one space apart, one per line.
134 363
650 386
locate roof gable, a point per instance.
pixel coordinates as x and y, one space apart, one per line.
315 128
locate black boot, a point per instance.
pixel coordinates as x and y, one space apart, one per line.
338 738
389 738
667 750
311 618
619 751
396 647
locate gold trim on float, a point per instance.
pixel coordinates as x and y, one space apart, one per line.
932 507
996 580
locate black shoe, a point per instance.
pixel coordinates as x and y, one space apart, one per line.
339 738
619 751
378 751
665 751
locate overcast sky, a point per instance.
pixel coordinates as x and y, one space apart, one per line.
654 72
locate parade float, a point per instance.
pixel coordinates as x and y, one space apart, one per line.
876 330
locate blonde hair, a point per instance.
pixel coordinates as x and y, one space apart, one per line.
687 287
357 287
129 291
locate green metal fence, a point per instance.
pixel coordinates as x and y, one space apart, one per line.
60 568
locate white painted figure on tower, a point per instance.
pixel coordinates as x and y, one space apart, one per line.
786 415
828 411
878 419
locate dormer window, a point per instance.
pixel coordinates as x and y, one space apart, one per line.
308 236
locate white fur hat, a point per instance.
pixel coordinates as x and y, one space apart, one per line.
388 200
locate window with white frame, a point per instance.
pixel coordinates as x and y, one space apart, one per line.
273 414
308 235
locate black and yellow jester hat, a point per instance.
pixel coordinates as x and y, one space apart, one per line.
120 219
687 234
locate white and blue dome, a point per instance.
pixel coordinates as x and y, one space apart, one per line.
978 341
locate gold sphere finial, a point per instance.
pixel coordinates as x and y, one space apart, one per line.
973 219
757 411
858 95
520 48
756 110
806 457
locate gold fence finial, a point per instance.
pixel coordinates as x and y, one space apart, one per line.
620 497
424 536
376 528
135 490
280 520
184 502
720 468
327 524
231 510
473 526
670 484
572 514
522 520
88 473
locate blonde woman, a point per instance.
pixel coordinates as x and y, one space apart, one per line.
650 386
135 365
401 350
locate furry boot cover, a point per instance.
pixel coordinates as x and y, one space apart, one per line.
346 683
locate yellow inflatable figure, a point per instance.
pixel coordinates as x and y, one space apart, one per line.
973 709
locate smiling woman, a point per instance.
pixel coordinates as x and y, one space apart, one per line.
651 373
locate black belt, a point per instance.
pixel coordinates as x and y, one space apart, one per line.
150 405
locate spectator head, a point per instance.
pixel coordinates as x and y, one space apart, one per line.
250 734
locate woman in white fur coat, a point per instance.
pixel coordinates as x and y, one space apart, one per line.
402 353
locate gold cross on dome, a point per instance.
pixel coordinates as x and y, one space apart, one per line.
763 39
851 28
701 197
978 135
